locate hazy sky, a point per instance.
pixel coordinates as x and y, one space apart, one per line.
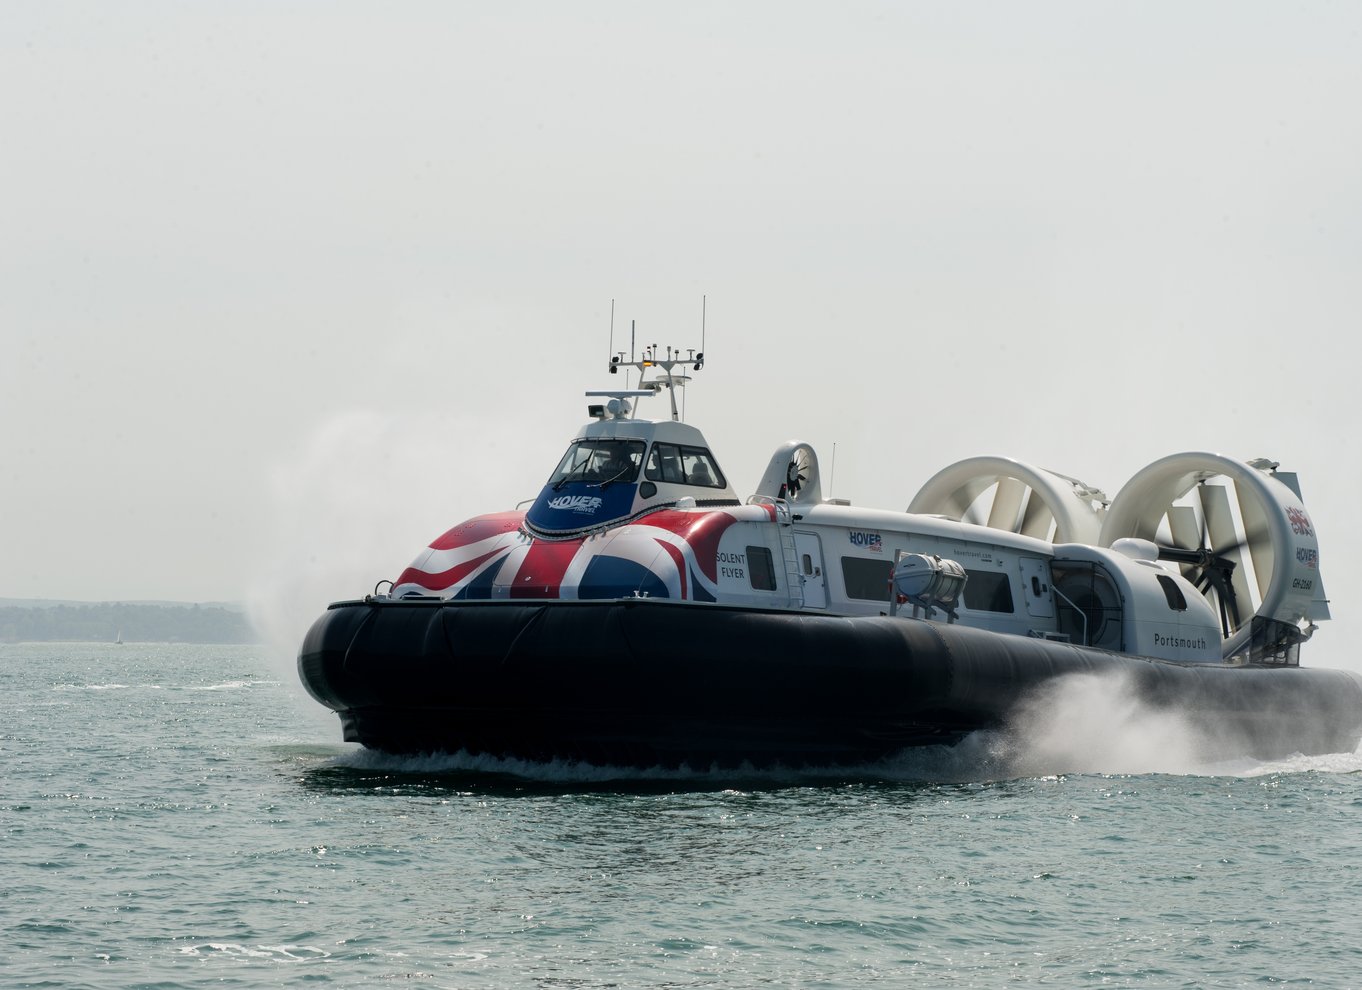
287 289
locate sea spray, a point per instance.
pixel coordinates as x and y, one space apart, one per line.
1104 723
1101 723
367 492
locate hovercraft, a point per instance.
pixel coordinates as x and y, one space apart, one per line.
640 613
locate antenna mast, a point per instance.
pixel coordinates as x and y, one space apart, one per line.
669 374
612 328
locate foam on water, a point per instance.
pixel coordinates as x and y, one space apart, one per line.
232 685
1330 763
578 773
268 952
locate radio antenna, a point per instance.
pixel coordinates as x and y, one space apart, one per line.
703 300
612 329
832 474
632 326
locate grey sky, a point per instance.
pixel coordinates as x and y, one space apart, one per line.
287 289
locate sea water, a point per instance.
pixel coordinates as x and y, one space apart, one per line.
183 816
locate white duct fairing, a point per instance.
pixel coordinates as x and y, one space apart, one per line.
1018 498
1239 513
792 474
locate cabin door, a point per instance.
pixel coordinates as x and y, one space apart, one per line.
810 554
1040 602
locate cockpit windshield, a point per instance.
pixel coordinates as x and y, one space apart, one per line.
601 462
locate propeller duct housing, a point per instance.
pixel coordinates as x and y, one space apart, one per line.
1240 514
792 474
1024 499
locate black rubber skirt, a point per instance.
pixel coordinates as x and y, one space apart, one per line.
645 682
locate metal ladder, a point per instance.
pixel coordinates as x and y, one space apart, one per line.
794 577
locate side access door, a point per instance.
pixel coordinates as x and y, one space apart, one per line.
810 553
1035 576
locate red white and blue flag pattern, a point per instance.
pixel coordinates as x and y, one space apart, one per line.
667 554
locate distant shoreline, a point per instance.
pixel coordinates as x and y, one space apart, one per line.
80 602
44 621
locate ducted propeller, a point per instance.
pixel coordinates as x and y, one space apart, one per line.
1209 568
1237 531
792 474
797 473
1014 497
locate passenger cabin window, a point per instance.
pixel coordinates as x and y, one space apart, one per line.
759 569
866 580
678 465
601 462
988 591
1173 593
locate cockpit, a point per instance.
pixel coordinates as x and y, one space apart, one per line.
609 461
599 461
606 480
620 469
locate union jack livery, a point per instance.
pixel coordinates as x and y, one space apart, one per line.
639 612
668 554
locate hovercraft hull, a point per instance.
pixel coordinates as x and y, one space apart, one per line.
643 682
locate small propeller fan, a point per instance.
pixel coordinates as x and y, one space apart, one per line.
796 473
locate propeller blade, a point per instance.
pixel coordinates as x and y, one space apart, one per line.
1226 628
1183 527
1007 500
1224 538
959 502
1037 520
1199 558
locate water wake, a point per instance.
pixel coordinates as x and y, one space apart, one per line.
576 773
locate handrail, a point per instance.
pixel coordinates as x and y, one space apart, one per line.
1074 606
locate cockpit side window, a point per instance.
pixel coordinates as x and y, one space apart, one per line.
599 462
679 465
664 464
